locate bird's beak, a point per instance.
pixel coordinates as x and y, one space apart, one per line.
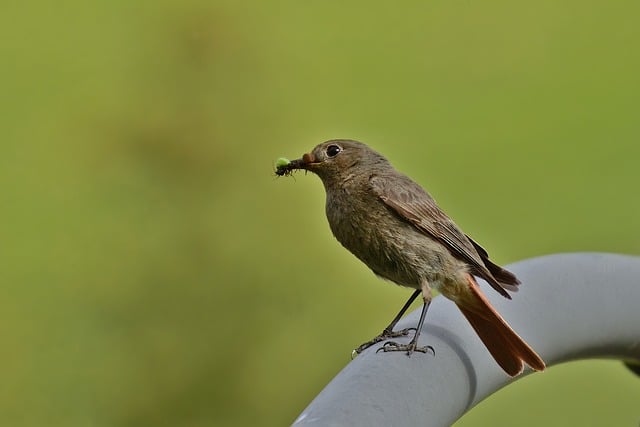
306 162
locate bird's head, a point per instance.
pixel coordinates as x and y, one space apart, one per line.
337 159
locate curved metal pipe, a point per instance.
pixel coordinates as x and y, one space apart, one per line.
570 307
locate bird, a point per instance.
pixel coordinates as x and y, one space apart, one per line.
391 224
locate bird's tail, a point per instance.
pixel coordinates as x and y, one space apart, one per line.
506 347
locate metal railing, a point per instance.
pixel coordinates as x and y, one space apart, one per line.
569 307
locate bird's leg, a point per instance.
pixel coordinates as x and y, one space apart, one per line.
413 344
388 331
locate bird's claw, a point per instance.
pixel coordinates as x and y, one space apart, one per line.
386 334
409 348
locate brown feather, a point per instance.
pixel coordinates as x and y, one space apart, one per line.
412 203
507 279
506 347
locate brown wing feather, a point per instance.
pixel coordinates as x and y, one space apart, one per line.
415 205
507 279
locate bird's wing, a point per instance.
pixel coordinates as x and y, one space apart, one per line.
408 200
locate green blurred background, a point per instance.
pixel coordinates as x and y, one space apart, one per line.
155 273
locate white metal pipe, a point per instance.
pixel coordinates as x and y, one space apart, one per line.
569 307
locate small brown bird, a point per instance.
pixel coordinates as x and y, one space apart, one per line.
395 227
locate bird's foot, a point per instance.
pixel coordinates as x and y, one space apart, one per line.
385 335
409 348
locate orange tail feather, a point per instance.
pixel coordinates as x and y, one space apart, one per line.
506 347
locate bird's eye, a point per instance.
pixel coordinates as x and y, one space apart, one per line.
333 150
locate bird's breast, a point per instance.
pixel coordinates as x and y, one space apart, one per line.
388 245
